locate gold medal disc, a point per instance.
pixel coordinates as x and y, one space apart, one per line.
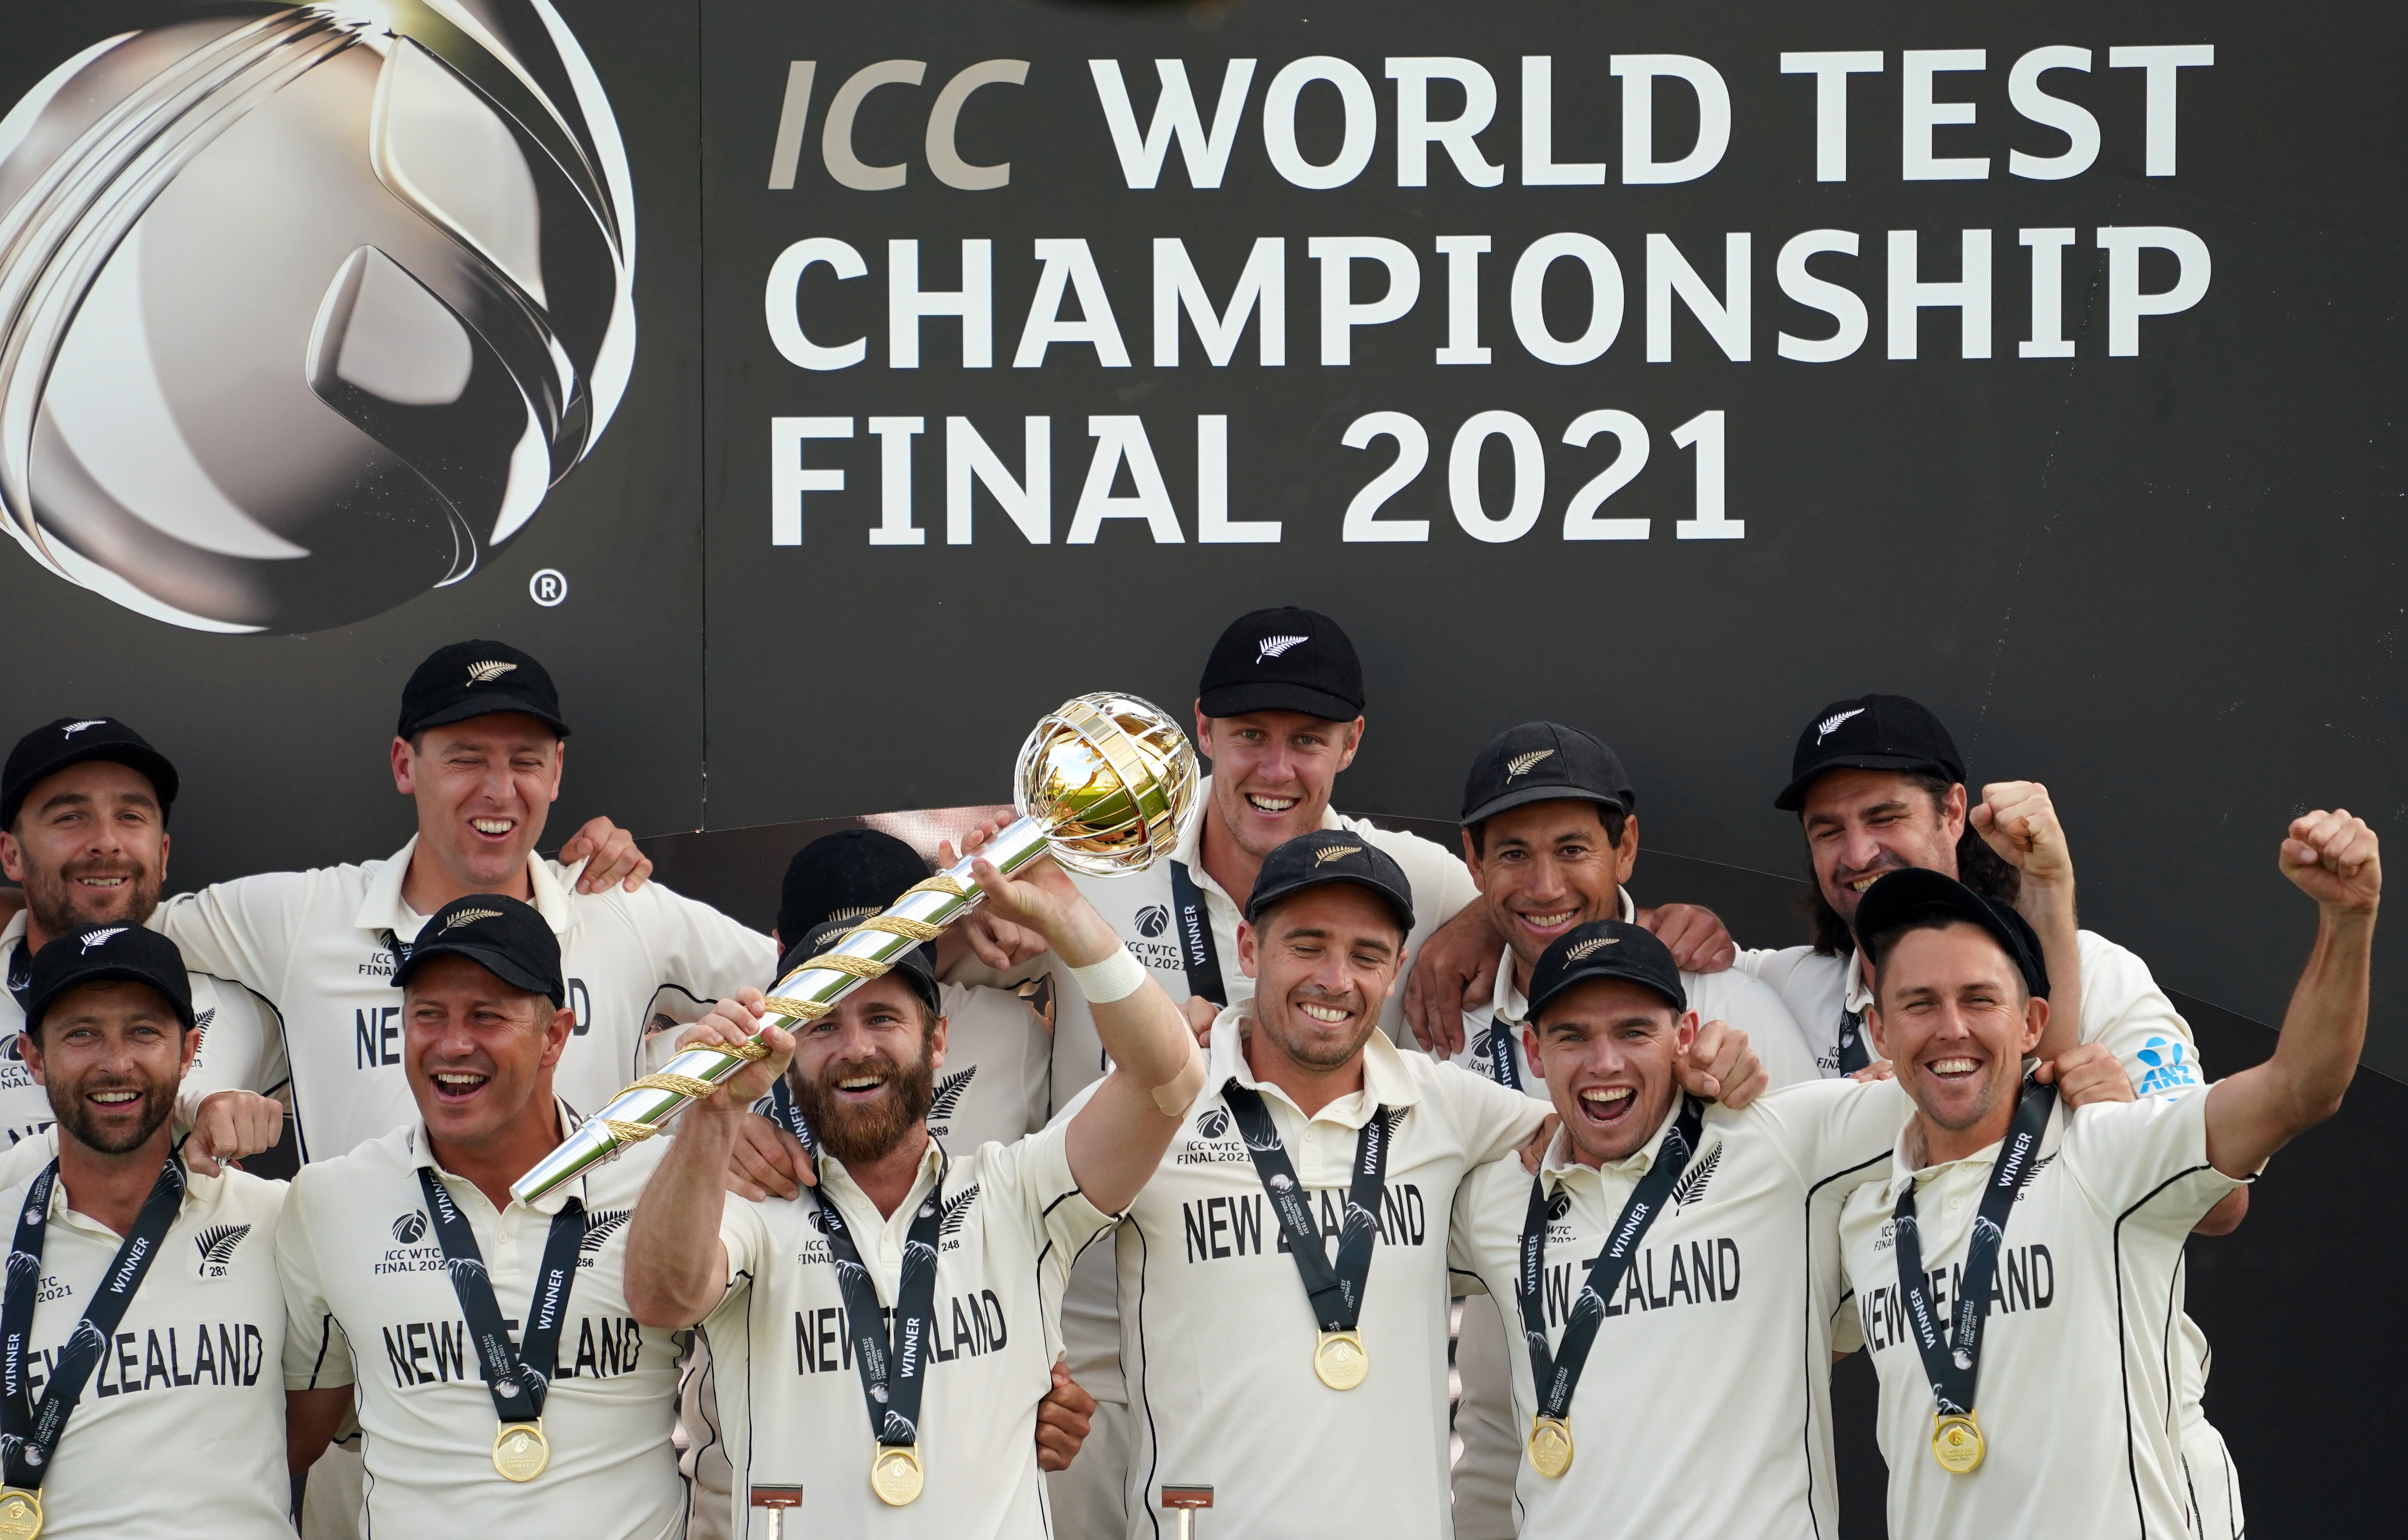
21 1514
1340 1359
520 1451
895 1475
1956 1443
1551 1445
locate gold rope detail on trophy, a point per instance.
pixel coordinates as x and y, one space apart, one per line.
799 1010
898 925
860 967
684 1085
629 1133
942 883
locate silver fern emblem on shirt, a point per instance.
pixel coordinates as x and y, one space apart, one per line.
100 938
946 1104
1692 1185
216 1245
485 673
1520 764
600 1225
1275 646
958 1210
1830 724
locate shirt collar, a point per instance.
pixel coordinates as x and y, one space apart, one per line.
934 1162
14 931
421 1152
61 1213
1386 1081
1854 995
381 907
1507 1003
1561 1164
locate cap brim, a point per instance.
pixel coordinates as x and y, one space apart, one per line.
487 705
503 968
1270 696
37 1008
1793 796
1589 971
1262 900
1528 795
1910 892
149 762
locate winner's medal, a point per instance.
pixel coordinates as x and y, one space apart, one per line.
520 1451
1340 1359
896 1475
1551 1445
1956 1443
21 1514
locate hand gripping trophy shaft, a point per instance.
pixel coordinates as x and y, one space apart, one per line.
803 994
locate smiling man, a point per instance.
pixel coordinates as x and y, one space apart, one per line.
487 1344
2017 1271
83 831
141 1312
1284 1278
1551 833
883 1342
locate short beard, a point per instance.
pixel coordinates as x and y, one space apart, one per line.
2002 1079
859 1135
58 907
74 1114
1307 1050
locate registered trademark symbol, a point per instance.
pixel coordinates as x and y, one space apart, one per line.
547 587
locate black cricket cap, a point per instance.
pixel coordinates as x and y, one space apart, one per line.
1544 762
916 966
1871 732
1282 660
1913 897
505 937
470 679
850 874
1330 856
76 741
127 952
1606 949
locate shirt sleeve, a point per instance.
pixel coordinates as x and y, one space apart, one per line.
2123 1008
23 1161
1755 1009
697 947
2144 1163
317 1354
241 1047
1033 1176
1496 1120
745 1233
242 930
1826 1127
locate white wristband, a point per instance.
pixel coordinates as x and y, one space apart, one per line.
1116 977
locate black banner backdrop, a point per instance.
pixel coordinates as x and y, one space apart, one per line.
1668 372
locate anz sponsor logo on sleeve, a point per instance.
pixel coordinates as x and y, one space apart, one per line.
2166 1065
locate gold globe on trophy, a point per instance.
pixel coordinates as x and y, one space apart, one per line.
1103 785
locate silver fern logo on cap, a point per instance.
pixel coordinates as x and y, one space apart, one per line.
1336 853
96 938
1520 764
1581 951
1830 724
1275 646
469 916
74 727
485 673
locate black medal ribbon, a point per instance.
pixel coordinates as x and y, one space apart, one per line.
1855 1050
518 1377
29 1434
1501 1067
893 1369
20 973
1195 925
1954 1364
783 1111
1336 1292
1557 1373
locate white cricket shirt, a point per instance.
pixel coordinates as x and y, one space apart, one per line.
1139 908
314 944
1217 1334
2121 1007
1715 1351
1728 996
2082 1425
180 1428
791 1407
372 1305
241 1047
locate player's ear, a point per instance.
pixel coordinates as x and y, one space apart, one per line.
1685 1032
2035 1022
402 755
1873 1031
1530 1051
1248 955
556 1033
937 1042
